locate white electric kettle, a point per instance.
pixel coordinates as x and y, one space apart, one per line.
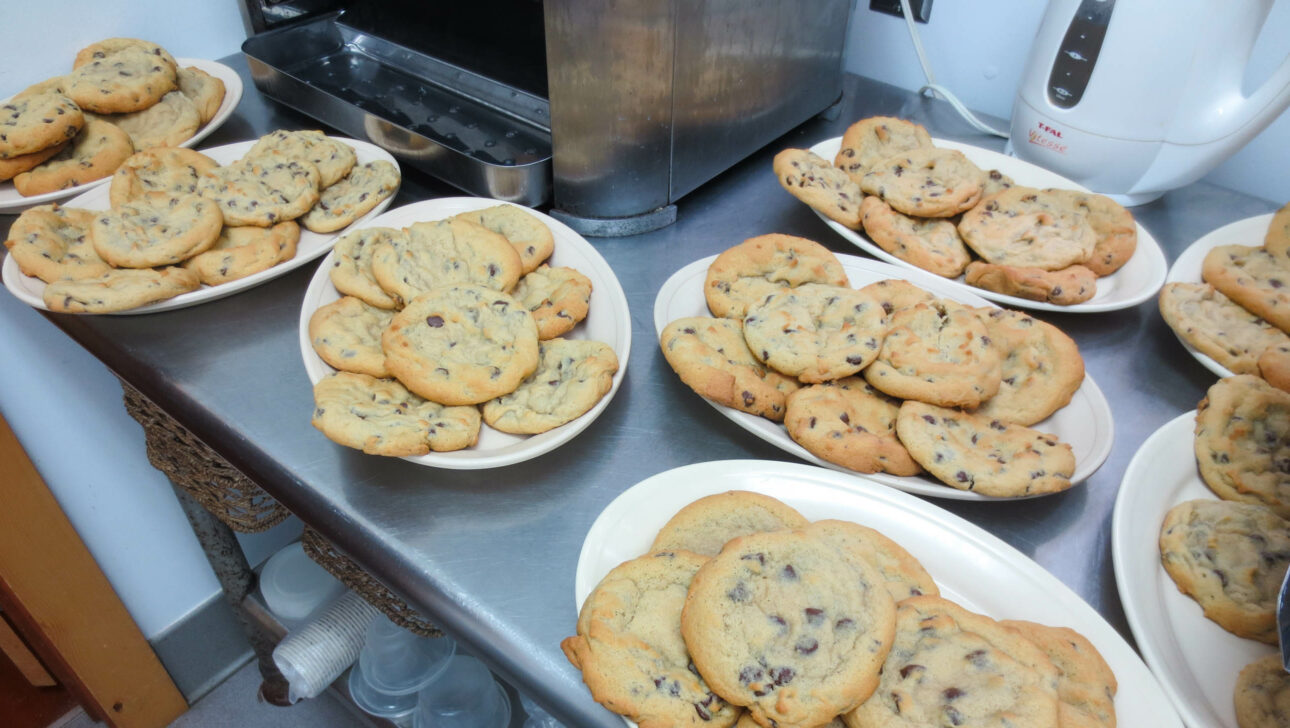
1133 98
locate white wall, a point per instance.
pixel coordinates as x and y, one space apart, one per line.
64 406
42 36
977 50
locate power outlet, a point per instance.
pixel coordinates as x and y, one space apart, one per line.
922 8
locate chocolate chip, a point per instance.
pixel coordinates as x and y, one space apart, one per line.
814 615
782 675
952 693
740 593
806 646
907 670
788 573
435 321
758 557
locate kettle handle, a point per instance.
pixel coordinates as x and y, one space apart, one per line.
1270 99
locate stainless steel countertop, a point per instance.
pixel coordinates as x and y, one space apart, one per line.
490 555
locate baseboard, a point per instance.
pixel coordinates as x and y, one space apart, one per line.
203 649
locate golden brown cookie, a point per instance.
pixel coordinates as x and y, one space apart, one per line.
926 182
746 273
929 243
711 357
876 138
1065 287
93 154
825 188
708 523
851 424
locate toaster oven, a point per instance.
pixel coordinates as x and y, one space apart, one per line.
607 110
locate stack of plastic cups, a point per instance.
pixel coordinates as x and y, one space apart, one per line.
393 666
537 717
465 696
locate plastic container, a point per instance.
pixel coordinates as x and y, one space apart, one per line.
465 696
294 587
537 717
393 665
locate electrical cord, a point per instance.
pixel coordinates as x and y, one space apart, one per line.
935 88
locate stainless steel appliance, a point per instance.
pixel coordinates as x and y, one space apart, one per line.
611 110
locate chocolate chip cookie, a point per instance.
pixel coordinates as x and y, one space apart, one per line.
351 270
52 243
381 417
1028 228
982 454
93 154
630 650
346 333
173 170
118 290
905 577
825 188
748 272
572 375
706 525
1065 287
937 353
262 191
789 626
953 667
243 251
448 252
530 237
358 193
1243 442
558 298
712 358
849 423
461 344
1230 557
155 229
816 332
36 119
1217 327
1252 277
1042 367
876 138
929 243
926 182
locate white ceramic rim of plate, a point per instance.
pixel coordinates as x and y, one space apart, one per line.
1187 268
955 554
1148 259
12 202
1089 394
29 289
607 296
1161 474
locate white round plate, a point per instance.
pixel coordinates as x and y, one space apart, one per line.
1085 423
1136 282
311 245
12 202
1187 269
608 320
1195 660
971 567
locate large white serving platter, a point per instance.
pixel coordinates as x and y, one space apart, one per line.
30 290
1187 269
608 320
1085 423
971 567
1195 660
1136 282
11 201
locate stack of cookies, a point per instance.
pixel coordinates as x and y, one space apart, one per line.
745 613
123 95
793 343
1231 555
1238 316
447 320
179 220
935 209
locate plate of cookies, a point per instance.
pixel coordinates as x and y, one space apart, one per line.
1222 298
462 333
70 133
177 227
1200 544
1000 227
864 367
805 598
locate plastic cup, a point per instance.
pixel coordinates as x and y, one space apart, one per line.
464 696
395 661
374 702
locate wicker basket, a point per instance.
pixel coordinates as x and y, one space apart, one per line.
365 585
190 464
